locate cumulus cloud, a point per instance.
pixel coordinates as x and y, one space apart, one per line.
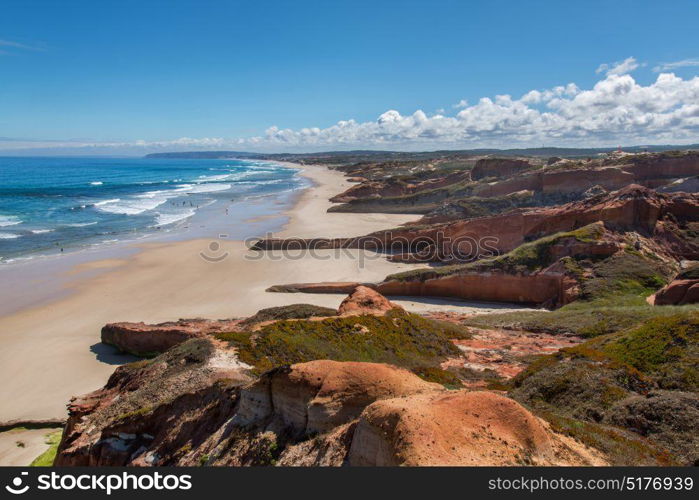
617 109
669 66
618 68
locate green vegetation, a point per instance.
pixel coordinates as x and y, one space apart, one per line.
629 274
582 389
586 319
140 412
665 349
535 255
293 311
439 376
475 206
53 439
613 294
398 338
621 447
527 257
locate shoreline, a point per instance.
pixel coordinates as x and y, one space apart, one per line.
42 277
52 351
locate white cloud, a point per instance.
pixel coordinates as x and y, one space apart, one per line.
6 45
669 66
461 104
620 67
617 109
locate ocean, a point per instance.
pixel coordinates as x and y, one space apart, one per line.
48 204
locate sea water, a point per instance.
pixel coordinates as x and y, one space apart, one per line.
48 204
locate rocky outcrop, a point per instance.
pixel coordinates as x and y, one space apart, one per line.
506 279
394 187
317 413
685 185
502 352
498 168
315 397
364 300
459 428
141 339
678 292
540 288
633 208
651 171
500 177
149 410
146 340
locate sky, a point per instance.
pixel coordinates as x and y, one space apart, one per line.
129 77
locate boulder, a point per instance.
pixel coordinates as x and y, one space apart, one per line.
678 292
365 300
457 428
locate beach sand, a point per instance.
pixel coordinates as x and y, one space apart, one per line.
52 351
19 447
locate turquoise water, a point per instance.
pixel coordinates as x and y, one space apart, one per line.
49 204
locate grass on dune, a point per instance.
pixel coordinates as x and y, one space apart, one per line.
46 459
398 338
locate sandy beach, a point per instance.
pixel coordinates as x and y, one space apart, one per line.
51 352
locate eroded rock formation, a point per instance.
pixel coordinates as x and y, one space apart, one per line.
365 300
317 413
459 428
498 168
141 339
677 293
634 208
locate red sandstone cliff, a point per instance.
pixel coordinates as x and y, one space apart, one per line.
317 413
633 208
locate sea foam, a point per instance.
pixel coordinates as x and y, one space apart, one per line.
9 220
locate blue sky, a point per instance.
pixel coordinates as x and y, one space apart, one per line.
223 72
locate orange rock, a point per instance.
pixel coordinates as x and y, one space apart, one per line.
364 300
459 428
142 339
678 292
498 167
320 395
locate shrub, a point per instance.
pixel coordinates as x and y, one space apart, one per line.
398 338
293 311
